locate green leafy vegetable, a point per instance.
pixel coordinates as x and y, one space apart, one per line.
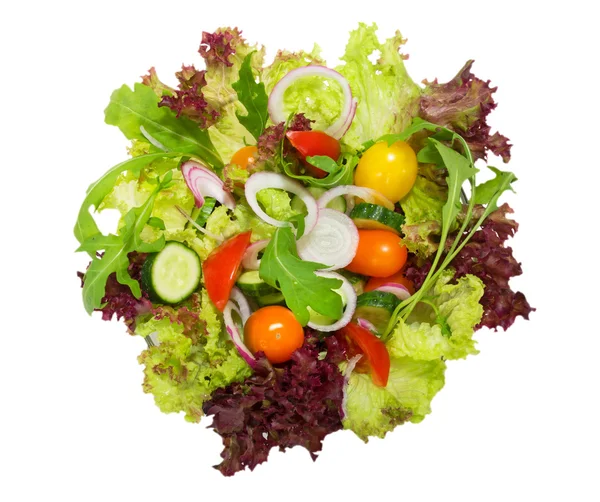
460 169
375 411
388 99
193 359
281 267
85 226
254 98
116 248
456 306
324 163
132 110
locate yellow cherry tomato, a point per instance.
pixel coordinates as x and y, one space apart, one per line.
391 170
244 156
275 331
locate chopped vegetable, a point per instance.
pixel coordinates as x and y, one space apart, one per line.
375 217
221 268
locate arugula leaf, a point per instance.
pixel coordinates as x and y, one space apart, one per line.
132 110
324 163
344 174
86 227
116 248
156 222
281 267
486 191
254 98
460 169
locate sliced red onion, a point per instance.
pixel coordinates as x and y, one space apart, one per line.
234 334
238 297
363 323
250 260
205 183
333 241
347 291
259 181
367 194
276 98
395 288
352 362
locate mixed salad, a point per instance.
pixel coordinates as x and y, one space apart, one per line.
303 248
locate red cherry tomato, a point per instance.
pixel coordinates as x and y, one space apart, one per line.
275 331
380 253
373 349
311 143
244 156
221 268
375 282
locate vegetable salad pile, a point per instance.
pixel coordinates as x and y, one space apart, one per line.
302 248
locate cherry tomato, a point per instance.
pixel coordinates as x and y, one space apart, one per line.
373 349
244 156
391 170
275 331
311 143
380 253
221 268
375 282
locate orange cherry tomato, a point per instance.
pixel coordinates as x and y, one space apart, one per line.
374 351
221 268
275 331
244 156
380 253
311 143
375 282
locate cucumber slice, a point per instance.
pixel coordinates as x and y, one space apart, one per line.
271 299
339 203
173 274
252 285
374 217
206 210
377 308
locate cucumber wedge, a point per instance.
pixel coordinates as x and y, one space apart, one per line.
377 308
173 274
374 217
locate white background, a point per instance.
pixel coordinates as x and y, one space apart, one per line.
518 422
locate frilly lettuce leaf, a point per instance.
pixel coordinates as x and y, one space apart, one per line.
131 191
285 61
276 203
319 99
388 99
458 306
228 134
374 411
191 361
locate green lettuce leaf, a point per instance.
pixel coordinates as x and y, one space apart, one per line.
384 89
228 135
458 309
276 203
374 411
189 364
286 61
131 189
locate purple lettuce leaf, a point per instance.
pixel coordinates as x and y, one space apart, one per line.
296 404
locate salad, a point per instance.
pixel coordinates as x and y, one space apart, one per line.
302 247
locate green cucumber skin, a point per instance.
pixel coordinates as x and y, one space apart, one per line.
372 216
205 211
376 307
253 287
